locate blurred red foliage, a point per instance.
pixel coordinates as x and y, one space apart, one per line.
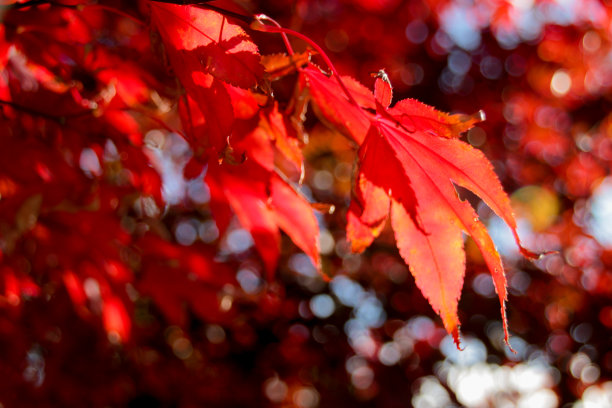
142 255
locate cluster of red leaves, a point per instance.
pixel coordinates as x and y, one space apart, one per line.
82 207
236 133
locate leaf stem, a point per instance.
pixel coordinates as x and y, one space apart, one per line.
276 24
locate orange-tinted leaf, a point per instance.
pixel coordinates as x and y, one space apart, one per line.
359 234
415 116
280 65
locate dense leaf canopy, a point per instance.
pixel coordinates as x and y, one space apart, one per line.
201 205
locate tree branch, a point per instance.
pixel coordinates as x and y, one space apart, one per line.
56 118
33 3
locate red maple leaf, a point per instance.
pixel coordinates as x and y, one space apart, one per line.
204 40
208 54
410 162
